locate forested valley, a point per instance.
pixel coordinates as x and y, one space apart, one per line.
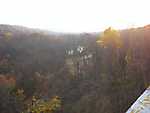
49 72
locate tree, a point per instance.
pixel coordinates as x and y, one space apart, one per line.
44 106
111 42
110 38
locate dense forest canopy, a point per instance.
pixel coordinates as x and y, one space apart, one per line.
48 72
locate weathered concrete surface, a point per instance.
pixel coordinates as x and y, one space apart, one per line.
142 104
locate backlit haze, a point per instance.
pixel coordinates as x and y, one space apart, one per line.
75 15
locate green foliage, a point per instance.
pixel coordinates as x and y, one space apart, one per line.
11 100
5 65
128 56
8 36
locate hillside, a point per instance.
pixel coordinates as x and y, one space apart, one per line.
84 75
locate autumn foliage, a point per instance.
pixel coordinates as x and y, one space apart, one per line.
44 72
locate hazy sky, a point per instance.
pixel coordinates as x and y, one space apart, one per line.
75 15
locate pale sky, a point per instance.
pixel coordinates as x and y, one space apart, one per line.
75 15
